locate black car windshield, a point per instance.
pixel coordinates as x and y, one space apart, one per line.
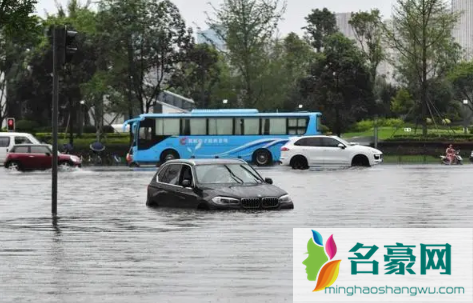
227 174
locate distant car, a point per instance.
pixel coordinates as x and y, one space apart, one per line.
303 152
10 139
26 157
214 184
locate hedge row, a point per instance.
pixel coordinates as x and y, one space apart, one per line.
431 138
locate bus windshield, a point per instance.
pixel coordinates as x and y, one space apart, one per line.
227 174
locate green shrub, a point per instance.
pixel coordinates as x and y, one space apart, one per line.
393 122
90 129
431 138
26 126
363 125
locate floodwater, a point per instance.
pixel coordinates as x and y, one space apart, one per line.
107 246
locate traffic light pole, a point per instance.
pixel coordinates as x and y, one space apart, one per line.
56 39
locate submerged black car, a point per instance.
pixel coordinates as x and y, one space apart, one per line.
214 184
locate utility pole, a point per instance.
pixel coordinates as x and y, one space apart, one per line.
62 53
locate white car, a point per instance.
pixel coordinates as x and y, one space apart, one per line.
303 152
9 139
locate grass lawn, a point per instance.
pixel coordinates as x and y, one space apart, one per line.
387 132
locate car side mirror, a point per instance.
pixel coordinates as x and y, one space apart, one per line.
268 180
342 146
186 183
48 154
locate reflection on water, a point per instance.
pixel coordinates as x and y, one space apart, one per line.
107 245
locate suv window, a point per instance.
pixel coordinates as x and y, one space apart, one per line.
330 142
4 141
39 150
20 150
309 142
171 176
22 140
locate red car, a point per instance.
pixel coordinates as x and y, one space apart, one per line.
37 157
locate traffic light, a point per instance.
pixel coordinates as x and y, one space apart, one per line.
11 124
70 47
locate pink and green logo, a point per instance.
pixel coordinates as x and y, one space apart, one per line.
319 264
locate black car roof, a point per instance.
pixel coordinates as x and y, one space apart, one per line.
196 162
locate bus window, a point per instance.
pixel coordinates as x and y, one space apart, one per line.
247 126
297 126
275 126
220 126
251 126
167 127
198 126
318 123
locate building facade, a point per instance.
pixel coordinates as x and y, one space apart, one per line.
463 30
385 68
210 36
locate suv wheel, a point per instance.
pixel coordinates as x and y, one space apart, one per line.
299 162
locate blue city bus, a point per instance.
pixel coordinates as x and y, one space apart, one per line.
233 133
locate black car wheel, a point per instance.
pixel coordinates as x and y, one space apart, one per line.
13 165
262 157
65 164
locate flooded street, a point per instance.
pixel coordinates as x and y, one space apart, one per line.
108 246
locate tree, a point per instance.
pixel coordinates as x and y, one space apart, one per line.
402 103
147 41
339 84
421 34
15 17
15 53
297 57
368 32
384 92
247 27
201 74
461 78
321 24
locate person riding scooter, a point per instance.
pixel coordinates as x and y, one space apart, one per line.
450 153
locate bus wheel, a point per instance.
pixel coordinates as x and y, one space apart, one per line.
262 157
169 154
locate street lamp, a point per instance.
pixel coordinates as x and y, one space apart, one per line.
465 118
300 106
82 116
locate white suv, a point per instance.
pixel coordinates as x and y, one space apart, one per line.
306 151
9 139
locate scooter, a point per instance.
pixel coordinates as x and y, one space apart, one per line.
457 161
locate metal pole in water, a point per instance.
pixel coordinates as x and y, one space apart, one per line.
376 132
55 118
